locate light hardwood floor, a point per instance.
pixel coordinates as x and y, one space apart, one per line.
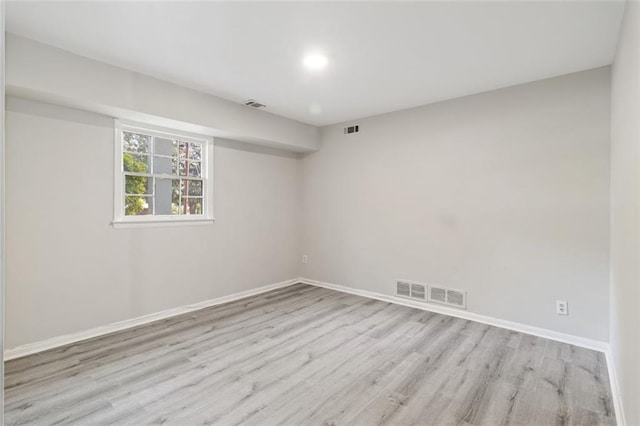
308 356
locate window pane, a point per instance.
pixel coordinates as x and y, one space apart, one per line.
162 165
195 151
164 196
138 206
162 146
195 169
135 163
182 149
192 187
138 185
179 167
135 142
175 196
192 205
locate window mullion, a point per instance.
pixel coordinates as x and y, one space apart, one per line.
153 179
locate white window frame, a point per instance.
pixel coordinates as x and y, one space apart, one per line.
120 220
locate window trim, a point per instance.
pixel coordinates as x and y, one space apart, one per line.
120 220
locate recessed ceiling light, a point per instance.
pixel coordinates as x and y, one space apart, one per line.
315 62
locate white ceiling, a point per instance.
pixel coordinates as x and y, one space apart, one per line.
384 56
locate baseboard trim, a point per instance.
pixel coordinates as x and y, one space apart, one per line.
615 389
523 328
54 342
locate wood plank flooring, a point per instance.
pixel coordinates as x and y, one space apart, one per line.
304 355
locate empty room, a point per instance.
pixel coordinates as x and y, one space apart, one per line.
320 213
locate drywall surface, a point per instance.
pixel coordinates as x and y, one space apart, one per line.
625 214
69 270
41 72
503 194
2 209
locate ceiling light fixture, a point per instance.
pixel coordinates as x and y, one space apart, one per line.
315 62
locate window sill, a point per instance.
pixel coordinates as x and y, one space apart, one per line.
159 223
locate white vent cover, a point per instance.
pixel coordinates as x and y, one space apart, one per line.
411 290
418 291
428 293
254 104
447 296
438 295
351 129
403 289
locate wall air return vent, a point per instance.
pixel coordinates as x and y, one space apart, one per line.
411 290
351 129
403 289
254 104
447 296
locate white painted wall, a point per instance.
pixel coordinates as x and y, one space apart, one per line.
625 213
503 194
44 73
68 270
2 220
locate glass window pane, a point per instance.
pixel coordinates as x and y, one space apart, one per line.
138 185
175 196
162 146
135 142
195 169
138 206
183 147
164 196
195 205
179 167
191 205
162 165
195 151
135 163
193 187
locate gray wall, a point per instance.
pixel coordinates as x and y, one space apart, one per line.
45 73
625 213
68 270
503 194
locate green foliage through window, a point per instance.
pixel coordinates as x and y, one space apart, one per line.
134 185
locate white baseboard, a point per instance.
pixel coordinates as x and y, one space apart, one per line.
55 342
615 390
523 328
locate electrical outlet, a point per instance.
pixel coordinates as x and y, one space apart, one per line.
562 307
305 258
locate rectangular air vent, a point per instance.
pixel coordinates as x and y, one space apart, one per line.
411 290
403 289
351 129
438 295
254 104
418 291
447 296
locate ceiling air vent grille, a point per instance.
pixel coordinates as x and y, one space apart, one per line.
351 129
254 104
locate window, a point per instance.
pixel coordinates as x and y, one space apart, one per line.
162 176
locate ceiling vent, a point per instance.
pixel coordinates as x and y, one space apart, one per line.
351 129
447 296
411 290
254 104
